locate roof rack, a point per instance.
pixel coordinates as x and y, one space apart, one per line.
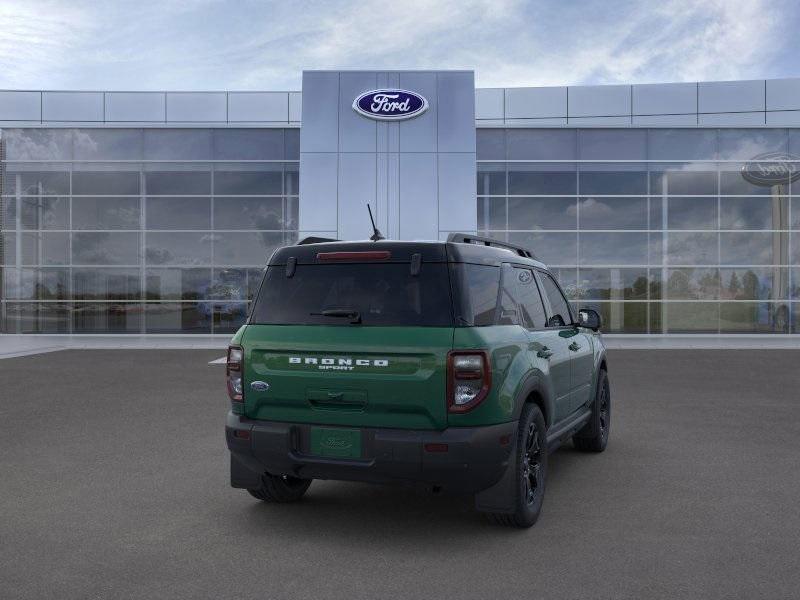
466 238
315 240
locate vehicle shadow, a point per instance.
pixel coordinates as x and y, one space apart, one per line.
358 512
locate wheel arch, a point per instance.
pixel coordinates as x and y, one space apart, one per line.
534 390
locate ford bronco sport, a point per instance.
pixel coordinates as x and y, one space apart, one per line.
455 364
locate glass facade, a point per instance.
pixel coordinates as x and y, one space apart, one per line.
656 229
140 230
165 230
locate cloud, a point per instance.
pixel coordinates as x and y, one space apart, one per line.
208 44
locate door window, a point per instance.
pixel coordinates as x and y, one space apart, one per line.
530 301
559 307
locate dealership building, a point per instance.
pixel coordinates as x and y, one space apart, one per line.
669 208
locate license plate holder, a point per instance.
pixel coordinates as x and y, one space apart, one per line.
333 442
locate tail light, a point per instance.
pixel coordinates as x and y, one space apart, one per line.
469 379
234 370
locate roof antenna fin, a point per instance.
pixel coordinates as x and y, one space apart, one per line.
376 235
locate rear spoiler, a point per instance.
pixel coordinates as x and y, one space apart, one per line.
315 240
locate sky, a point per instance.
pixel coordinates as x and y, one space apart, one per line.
265 45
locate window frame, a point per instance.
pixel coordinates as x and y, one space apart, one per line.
540 273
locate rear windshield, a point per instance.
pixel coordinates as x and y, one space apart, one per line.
382 294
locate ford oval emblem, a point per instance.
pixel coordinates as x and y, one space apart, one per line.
772 168
259 386
390 105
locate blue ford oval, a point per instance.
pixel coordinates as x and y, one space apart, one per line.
390 105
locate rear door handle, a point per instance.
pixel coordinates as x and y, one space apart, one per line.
574 347
545 352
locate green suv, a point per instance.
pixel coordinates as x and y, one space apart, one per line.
455 364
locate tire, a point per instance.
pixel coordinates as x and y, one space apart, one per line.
531 470
594 436
280 489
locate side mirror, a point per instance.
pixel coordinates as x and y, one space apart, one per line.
589 318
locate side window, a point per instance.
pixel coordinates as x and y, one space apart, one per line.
509 309
529 299
476 286
559 306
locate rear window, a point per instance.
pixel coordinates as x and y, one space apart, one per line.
382 294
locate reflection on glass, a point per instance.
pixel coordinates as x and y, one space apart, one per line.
178 144
629 183
47 248
111 183
732 182
491 180
229 317
52 284
677 182
178 213
38 144
613 249
44 212
178 284
248 182
103 248
248 213
753 248
620 317
490 144
682 144
541 144
550 248
747 143
108 144
236 249
178 248
492 213
690 317
539 213
101 317
692 248
754 283
105 284
291 179
612 213
90 212
691 213
613 284
229 284
8 248
90 217
754 317
248 144
522 182
178 183
32 317
612 144
754 212
43 183
693 284
184 317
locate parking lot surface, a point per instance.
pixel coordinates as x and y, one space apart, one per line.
114 484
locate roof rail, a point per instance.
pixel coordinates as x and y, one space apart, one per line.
314 240
467 238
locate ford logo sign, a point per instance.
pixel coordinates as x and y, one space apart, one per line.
772 168
390 105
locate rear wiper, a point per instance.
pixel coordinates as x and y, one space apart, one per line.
343 313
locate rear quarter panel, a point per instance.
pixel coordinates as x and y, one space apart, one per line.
508 350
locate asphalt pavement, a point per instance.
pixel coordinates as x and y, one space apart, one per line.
114 484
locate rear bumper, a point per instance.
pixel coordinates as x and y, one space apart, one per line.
476 457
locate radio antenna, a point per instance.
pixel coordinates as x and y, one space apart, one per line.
376 234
